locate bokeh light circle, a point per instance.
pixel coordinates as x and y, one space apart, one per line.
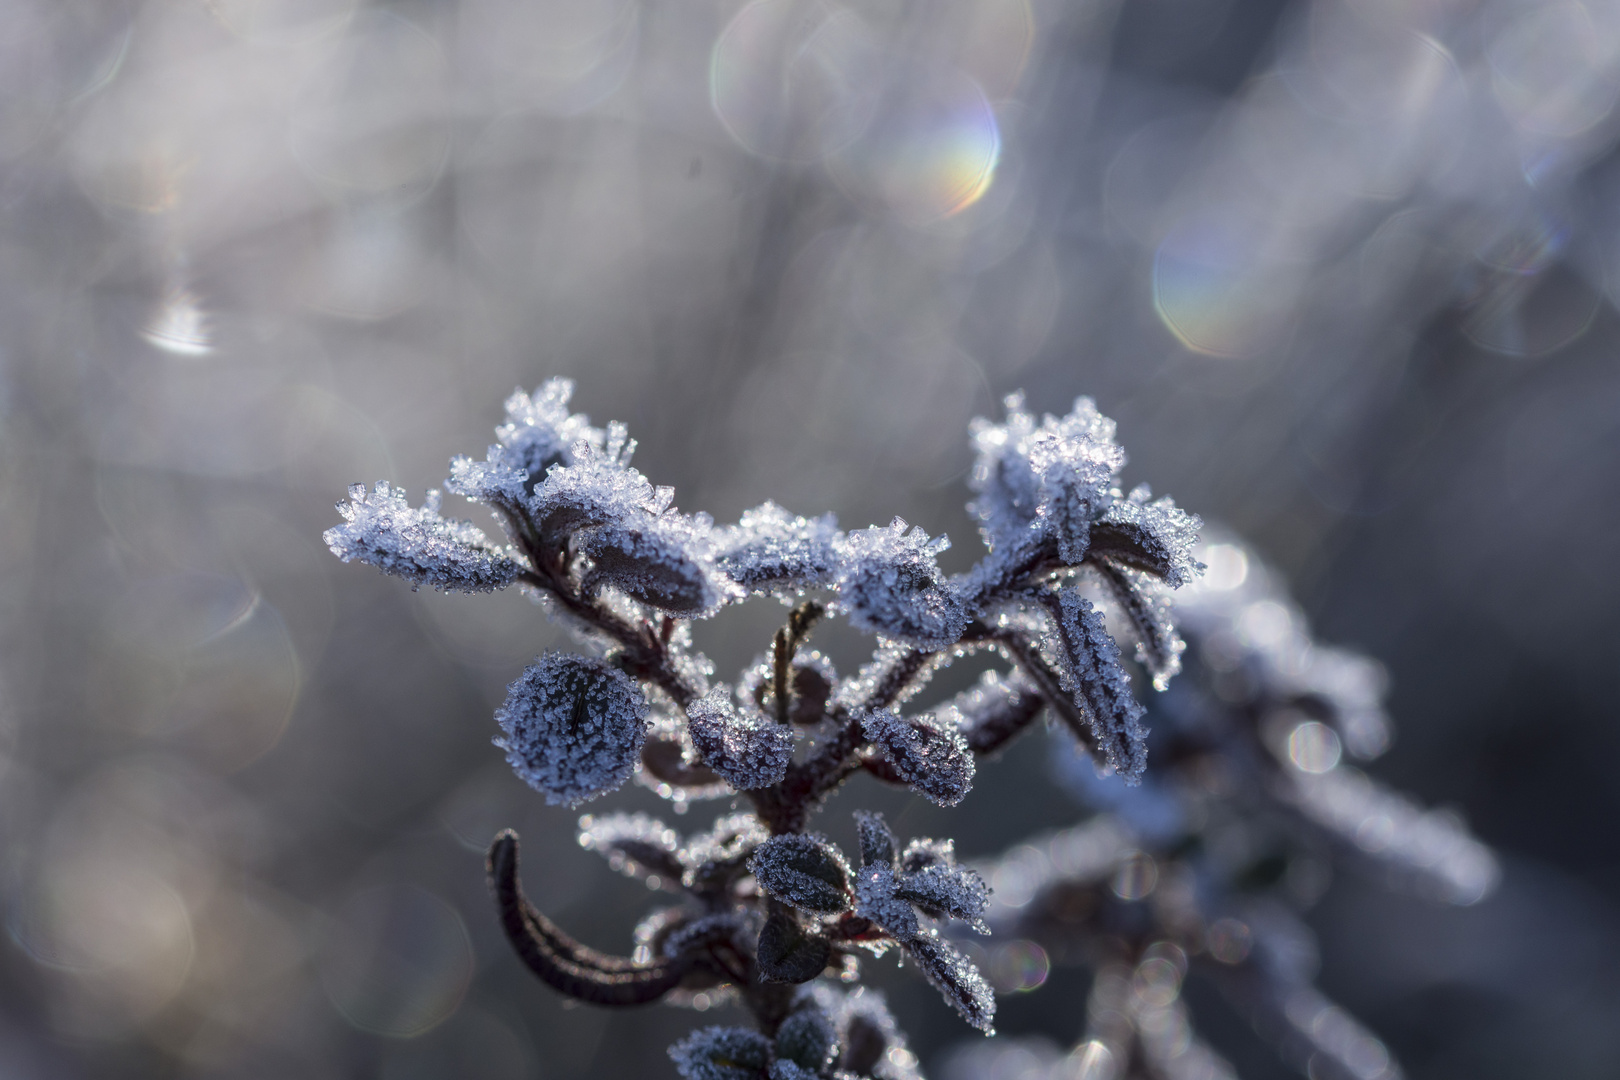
396 961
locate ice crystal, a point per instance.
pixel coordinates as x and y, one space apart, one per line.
803 870
748 752
890 583
574 727
1092 673
382 529
872 1043
598 487
927 752
722 1053
714 857
1147 606
1155 537
770 550
540 431
809 1039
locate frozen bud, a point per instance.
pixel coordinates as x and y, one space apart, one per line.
498 480
878 845
1092 673
636 845
664 562
947 891
1156 538
573 727
748 752
928 754
382 529
809 1039
805 871
540 431
770 550
787 953
955 977
890 583
722 1053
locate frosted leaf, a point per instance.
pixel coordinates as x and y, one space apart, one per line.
722 1053
1147 605
876 899
890 583
670 765
598 488
896 672
748 752
770 550
540 431
788 1070
878 845
1091 672
1156 537
955 977
664 561
787 952
1431 845
697 935
873 1044
714 857
943 890
500 480
809 1039
805 871
928 754
924 852
1045 480
636 845
382 529
573 727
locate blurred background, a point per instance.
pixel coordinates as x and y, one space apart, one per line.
1344 271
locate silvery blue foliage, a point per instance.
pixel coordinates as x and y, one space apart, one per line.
928 752
1203 870
749 752
890 583
770 550
573 727
382 529
758 909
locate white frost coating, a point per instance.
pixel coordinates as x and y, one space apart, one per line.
1157 536
876 898
889 583
771 550
382 529
1091 672
664 561
926 876
573 727
540 431
955 977
722 1053
725 845
927 752
596 487
748 752
949 890
1429 843
636 845
1046 479
804 870
1147 606
808 1040
871 1042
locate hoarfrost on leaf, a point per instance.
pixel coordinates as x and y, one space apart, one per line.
598 487
636 845
1156 537
665 561
770 550
573 727
722 1053
804 870
809 1039
1091 672
748 752
540 431
928 753
955 977
890 583
382 529
944 890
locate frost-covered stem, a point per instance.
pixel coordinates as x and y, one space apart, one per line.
646 654
786 807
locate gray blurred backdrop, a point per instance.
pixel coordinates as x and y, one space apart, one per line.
1344 271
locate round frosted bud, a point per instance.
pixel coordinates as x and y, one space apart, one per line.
573 727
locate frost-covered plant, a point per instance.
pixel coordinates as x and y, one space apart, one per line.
765 912
1204 868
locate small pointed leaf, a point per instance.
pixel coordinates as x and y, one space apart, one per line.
957 980
927 754
878 845
805 871
789 954
748 752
